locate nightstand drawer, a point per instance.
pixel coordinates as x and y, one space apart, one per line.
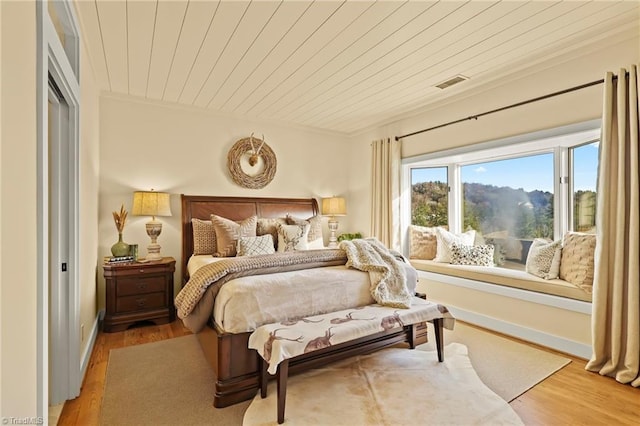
141 302
129 286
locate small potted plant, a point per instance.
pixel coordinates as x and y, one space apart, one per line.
120 248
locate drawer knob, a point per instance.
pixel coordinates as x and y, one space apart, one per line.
141 271
142 286
141 302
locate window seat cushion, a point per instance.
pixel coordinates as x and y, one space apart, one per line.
512 277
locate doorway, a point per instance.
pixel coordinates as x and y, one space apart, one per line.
59 245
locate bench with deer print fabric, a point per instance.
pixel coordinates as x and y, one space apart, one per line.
279 342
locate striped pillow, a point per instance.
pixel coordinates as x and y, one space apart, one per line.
228 232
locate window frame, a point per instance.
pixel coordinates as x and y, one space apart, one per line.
557 141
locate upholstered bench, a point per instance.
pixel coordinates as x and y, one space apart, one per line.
280 342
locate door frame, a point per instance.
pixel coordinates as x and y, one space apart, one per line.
62 63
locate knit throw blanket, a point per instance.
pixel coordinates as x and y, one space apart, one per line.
386 273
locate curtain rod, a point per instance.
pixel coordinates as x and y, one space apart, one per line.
528 101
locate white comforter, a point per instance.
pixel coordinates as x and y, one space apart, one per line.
244 304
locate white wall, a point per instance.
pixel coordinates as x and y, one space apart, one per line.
146 145
89 187
18 308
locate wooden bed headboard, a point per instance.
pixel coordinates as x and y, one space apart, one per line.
236 208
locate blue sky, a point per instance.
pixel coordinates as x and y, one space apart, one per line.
528 173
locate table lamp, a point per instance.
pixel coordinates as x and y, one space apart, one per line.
332 207
151 203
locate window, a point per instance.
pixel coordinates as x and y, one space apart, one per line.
429 196
537 185
511 198
584 168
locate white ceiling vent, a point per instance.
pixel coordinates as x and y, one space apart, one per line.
455 80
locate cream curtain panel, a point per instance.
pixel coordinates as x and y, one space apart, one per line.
385 192
616 294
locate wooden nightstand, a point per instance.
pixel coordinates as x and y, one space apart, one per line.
139 292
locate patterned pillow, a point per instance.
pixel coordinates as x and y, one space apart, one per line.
444 239
253 246
422 242
462 254
576 264
315 230
228 232
543 259
293 237
267 225
204 237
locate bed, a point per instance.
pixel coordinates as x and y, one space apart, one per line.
236 367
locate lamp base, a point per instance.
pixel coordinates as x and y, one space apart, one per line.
153 252
333 227
154 228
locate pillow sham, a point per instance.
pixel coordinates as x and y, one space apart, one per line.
228 232
576 264
293 237
253 246
314 239
267 225
422 242
462 254
444 239
204 237
543 259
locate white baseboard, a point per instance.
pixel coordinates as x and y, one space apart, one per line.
561 344
88 350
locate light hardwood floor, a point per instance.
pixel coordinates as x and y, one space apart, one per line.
571 396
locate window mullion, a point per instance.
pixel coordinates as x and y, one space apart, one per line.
561 192
455 198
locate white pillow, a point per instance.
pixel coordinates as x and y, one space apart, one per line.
253 246
444 239
543 259
292 237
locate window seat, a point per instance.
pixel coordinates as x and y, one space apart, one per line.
511 276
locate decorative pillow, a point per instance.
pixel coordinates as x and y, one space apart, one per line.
462 254
268 226
543 259
253 246
293 237
576 265
204 237
315 230
228 232
422 242
444 239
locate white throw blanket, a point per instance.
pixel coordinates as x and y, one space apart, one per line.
387 275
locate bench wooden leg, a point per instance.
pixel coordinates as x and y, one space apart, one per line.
264 376
437 328
283 374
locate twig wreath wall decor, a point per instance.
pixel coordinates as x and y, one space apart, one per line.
254 149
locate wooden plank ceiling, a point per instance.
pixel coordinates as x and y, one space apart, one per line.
336 65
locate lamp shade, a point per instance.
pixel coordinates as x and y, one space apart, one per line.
334 206
151 203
